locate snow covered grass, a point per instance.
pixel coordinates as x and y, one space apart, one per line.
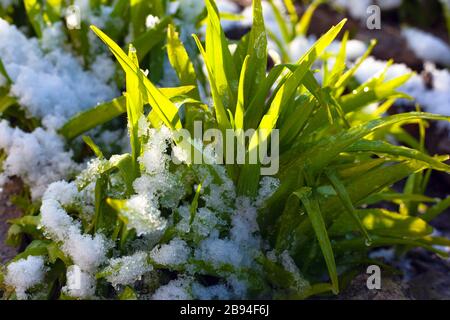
136 224
51 86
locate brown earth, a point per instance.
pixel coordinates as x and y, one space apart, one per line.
8 211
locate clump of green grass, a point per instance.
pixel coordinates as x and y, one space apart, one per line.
325 214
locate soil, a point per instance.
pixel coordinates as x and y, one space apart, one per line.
8 211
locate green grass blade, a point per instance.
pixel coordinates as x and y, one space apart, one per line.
98 153
4 72
6 102
135 107
150 38
294 79
345 78
346 201
240 107
179 60
384 223
221 113
282 23
91 118
303 25
257 50
381 147
219 58
315 216
317 157
256 108
339 65
107 111
166 110
33 9
436 210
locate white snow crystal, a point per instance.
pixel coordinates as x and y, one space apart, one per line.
219 292
143 215
426 46
151 21
61 191
173 254
290 266
221 251
86 251
52 86
244 224
356 8
127 270
52 36
24 274
38 157
178 289
435 100
189 9
267 186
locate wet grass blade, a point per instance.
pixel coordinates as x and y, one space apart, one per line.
346 201
315 216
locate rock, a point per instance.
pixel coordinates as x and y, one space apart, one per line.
391 289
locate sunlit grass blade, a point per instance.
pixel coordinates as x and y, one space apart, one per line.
135 107
180 61
345 78
219 108
166 110
257 52
256 108
219 59
359 188
98 153
107 111
293 80
384 148
240 107
33 9
383 223
302 26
